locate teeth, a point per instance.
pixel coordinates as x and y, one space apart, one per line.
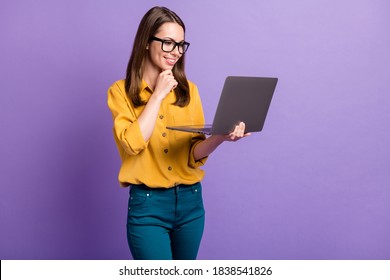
170 60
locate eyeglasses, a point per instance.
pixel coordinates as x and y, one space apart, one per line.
170 45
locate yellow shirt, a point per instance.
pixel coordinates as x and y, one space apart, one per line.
166 159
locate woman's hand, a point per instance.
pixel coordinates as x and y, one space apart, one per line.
237 134
207 146
164 84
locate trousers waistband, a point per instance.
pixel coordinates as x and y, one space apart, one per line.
174 189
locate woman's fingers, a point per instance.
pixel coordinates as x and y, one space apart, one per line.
165 82
238 132
241 129
170 79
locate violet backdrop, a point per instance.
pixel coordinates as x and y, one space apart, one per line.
314 184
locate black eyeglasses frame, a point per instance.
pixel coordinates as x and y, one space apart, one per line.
183 45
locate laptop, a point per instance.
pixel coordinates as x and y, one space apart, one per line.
243 99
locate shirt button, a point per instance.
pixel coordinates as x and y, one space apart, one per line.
169 168
161 117
166 151
164 134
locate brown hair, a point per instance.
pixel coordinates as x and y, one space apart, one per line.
148 26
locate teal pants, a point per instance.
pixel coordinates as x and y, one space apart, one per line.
165 224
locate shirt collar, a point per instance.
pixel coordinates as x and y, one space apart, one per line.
144 86
145 92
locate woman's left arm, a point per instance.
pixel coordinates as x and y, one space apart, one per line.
206 147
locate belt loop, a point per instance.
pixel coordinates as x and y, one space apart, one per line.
131 186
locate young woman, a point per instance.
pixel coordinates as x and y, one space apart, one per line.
161 167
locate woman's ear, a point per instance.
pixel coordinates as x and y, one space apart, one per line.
147 46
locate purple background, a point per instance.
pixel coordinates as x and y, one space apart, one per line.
313 185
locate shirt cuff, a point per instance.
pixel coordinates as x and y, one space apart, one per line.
133 139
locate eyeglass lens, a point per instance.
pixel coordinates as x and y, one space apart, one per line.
168 46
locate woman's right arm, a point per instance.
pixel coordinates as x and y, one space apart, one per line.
147 119
133 131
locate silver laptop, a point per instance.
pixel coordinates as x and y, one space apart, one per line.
243 99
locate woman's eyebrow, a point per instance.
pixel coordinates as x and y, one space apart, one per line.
169 38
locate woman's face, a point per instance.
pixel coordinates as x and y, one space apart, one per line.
160 59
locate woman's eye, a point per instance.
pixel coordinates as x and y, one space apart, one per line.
169 43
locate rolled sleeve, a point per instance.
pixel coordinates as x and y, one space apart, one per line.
131 139
126 127
191 160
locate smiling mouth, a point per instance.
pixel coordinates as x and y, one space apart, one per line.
171 61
